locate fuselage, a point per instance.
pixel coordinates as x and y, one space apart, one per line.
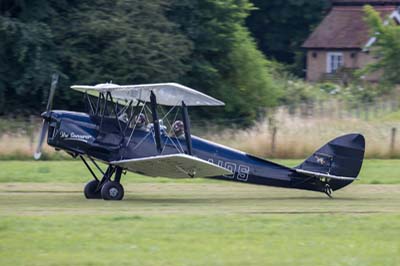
108 139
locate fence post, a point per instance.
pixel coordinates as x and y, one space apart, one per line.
366 112
393 105
273 141
321 108
393 140
358 112
376 109
31 132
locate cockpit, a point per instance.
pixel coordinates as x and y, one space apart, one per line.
157 112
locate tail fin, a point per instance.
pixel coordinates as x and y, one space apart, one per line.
342 156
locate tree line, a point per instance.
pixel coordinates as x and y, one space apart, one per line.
226 48
205 44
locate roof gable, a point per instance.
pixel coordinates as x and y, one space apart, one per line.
344 28
364 2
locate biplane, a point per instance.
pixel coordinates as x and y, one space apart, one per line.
128 128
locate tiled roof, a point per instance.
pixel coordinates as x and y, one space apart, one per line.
365 2
344 27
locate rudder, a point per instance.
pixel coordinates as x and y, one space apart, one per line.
342 156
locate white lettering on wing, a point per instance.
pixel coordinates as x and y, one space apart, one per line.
242 173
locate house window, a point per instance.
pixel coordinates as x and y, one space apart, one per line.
314 54
334 62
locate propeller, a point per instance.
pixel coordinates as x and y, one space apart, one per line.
46 117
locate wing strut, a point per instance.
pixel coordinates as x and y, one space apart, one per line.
186 126
156 123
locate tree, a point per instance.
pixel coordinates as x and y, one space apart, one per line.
386 47
225 62
124 41
203 44
281 27
26 54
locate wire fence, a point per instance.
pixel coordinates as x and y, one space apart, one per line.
297 131
341 110
293 131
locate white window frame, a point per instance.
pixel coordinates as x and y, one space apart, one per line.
329 67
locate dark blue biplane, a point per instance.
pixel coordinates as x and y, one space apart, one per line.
125 128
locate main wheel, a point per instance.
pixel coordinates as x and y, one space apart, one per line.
112 191
91 191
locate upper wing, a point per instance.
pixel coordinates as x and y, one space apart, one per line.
322 175
169 94
174 166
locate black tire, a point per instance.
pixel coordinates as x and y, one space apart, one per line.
112 191
90 190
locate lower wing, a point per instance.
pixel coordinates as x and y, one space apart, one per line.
173 166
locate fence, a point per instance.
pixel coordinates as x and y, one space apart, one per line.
341 110
288 131
297 131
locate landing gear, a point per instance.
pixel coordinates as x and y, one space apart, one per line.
112 191
91 190
105 188
328 190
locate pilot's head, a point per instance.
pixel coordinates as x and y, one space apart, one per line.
140 120
178 128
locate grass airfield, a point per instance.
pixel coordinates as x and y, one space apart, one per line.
45 220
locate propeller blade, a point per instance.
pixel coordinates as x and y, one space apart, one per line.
43 133
54 81
45 125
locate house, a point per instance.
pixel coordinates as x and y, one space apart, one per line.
340 44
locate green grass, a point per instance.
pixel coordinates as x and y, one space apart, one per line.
63 171
373 172
199 224
193 240
45 220
18 155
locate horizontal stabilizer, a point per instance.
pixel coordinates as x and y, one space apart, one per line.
173 166
323 176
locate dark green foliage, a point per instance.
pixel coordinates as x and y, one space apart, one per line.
203 44
386 48
225 59
250 84
26 55
281 27
126 41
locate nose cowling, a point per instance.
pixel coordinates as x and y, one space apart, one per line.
46 115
